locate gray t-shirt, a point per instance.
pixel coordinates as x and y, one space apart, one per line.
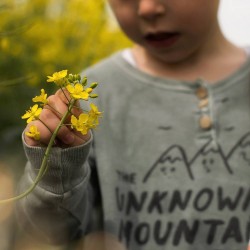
172 160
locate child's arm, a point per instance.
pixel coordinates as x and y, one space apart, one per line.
58 210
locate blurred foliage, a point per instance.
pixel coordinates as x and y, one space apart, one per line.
39 37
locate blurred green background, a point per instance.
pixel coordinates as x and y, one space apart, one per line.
37 38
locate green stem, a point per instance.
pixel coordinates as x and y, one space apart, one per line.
65 94
45 125
44 166
54 109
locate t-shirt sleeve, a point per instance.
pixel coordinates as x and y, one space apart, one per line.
58 209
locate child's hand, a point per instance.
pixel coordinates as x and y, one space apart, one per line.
50 118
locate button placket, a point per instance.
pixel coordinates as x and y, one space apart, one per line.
205 119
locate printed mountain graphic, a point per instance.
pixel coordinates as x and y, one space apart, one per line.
206 160
242 144
240 153
173 161
173 155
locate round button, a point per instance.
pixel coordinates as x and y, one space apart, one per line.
205 122
201 92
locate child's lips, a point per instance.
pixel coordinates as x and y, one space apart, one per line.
162 39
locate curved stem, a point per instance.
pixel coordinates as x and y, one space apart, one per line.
44 165
65 94
54 109
45 125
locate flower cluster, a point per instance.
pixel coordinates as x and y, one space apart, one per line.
77 89
74 88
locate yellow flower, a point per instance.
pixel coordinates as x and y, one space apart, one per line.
80 124
89 90
32 114
33 133
77 91
59 78
42 98
94 114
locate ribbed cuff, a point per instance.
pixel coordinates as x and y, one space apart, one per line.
67 167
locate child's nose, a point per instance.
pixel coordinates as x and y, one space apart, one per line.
149 9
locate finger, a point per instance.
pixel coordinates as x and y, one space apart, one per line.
45 134
80 138
64 134
57 106
64 95
46 126
65 98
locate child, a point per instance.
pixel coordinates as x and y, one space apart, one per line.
169 167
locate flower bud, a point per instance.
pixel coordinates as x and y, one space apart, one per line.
71 78
93 96
93 85
84 81
78 77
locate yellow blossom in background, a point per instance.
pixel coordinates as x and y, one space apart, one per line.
33 133
41 98
32 114
4 44
77 91
37 27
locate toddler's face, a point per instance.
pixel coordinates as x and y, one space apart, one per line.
168 29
